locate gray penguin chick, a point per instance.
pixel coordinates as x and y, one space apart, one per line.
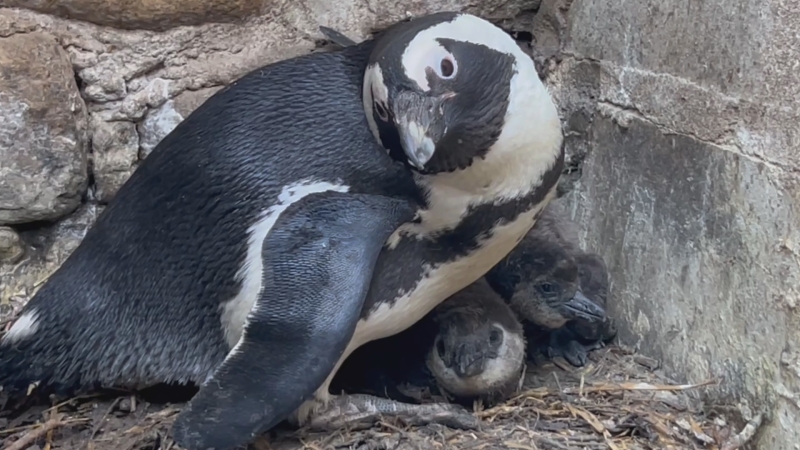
470 347
479 352
558 288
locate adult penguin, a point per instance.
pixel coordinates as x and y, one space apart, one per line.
241 253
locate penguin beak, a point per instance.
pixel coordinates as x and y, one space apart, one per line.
580 307
416 144
420 123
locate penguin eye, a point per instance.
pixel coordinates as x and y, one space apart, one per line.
447 67
547 288
382 113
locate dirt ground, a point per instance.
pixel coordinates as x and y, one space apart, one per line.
618 401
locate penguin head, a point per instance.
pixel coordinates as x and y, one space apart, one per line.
479 348
542 285
440 90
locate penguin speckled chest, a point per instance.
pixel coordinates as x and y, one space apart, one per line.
242 252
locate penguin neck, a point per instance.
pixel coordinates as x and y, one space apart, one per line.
528 147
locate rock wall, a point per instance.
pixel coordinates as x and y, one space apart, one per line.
683 134
684 123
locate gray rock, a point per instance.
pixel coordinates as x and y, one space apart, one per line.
690 186
43 134
160 121
115 149
705 271
11 247
145 14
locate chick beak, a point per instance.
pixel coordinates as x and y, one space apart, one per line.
580 307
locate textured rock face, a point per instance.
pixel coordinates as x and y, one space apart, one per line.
11 247
683 125
144 14
42 131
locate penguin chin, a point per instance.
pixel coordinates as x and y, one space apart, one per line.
451 162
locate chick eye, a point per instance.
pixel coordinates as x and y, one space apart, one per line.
447 67
382 113
547 288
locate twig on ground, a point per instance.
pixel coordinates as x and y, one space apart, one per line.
30 438
103 419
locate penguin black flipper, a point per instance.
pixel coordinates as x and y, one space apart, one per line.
318 263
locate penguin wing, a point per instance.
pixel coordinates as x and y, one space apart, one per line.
318 262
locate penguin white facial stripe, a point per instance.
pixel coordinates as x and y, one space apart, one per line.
418 58
424 50
235 311
24 327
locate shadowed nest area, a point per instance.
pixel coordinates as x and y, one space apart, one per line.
619 400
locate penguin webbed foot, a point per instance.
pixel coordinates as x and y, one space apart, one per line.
565 344
362 411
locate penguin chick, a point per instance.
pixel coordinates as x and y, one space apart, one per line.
470 347
541 282
479 352
579 336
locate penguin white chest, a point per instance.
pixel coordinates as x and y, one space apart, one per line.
440 282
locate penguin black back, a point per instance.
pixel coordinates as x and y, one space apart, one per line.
191 203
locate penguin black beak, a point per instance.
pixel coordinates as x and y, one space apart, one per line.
468 362
580 307
420 123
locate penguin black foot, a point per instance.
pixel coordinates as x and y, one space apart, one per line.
362 411
563 343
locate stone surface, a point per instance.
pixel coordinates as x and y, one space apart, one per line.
682 131
160 121
11 249
115 153
42 131
144 14
701 279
